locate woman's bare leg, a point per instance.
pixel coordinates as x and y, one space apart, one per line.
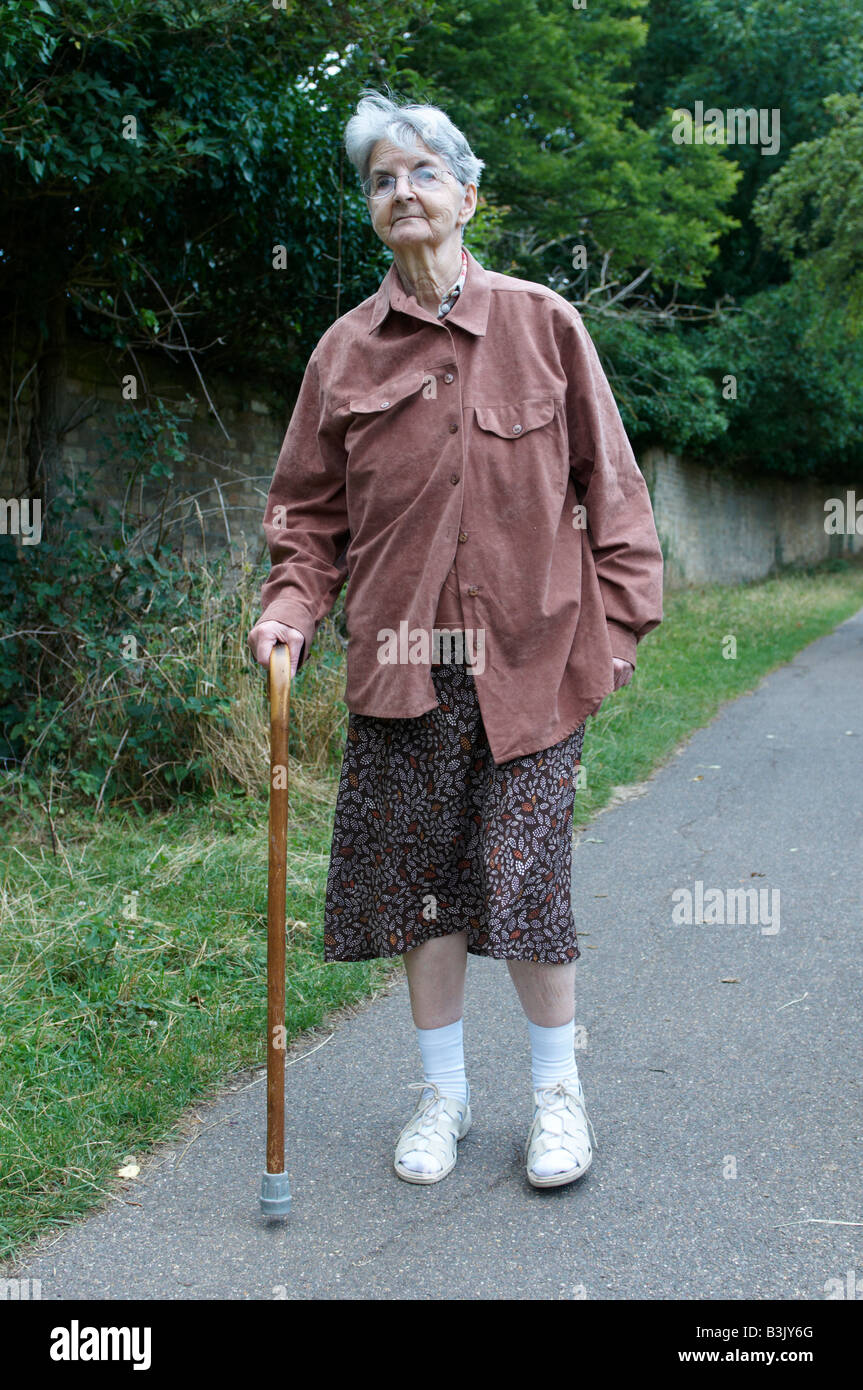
547 992
436 972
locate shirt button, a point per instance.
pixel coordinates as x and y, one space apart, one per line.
453 428
448 378
516 429
384 405
462 535
453 477
473 590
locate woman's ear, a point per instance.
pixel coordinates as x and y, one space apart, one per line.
473 207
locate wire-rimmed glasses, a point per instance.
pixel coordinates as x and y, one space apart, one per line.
425 177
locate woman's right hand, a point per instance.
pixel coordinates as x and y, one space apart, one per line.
264 636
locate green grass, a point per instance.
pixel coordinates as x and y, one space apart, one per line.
115 1023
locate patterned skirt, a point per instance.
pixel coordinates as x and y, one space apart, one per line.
431 837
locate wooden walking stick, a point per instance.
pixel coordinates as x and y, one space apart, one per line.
275 1187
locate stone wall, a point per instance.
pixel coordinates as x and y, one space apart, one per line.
222 482
723 528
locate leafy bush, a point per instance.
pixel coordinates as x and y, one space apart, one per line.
126 673
799 406
659 374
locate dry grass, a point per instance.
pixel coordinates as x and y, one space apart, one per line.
239 751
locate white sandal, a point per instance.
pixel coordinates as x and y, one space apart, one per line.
560 1122
435 1128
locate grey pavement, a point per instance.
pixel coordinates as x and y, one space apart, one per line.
722 1066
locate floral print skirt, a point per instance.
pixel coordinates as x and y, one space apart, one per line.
431 837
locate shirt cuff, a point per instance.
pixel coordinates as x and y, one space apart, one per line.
623 641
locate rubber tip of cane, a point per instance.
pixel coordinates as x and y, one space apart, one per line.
275 1194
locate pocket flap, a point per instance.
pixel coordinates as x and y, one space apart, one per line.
513 420
385 397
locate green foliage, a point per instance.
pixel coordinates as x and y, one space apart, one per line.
663 383
768 54
154 153
812 208
95 687
799 406
126 673
542 91
799 377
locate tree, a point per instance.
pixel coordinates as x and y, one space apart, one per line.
172 178
812 209
542 90
800 383
782 55
798 409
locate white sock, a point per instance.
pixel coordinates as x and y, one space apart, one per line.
442 1052
552 1060
552 1053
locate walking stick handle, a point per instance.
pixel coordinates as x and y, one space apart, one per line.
275 1188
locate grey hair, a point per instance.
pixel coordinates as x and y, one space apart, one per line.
377 117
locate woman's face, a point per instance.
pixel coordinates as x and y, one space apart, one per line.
412 217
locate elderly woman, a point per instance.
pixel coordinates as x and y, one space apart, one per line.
456 452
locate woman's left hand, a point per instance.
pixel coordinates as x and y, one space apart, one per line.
623 672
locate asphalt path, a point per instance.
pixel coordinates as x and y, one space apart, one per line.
722 1063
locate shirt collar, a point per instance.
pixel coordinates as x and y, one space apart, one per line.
470 311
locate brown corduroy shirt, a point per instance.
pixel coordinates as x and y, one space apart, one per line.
467 471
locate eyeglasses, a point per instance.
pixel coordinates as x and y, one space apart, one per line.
425 178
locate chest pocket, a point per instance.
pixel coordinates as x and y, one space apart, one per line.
386 427
530 474
384 399
514 420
